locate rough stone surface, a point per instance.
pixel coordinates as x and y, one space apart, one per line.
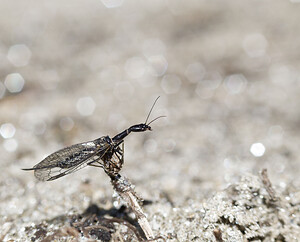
228 76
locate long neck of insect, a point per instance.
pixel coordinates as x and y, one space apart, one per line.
134 128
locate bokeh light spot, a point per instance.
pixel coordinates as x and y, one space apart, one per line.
212 81
7 130
85 106
10 145
235 84
14 82
19 55
257 149
195 72
158 64
135 67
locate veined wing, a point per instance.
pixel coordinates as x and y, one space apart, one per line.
70 159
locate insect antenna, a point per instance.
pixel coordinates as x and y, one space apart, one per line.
151 109
163 116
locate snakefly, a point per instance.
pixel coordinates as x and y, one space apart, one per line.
104 152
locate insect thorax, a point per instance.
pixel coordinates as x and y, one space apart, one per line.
113 159
103 141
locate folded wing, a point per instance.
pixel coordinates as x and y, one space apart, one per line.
69 160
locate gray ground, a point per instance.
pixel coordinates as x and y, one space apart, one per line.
228 76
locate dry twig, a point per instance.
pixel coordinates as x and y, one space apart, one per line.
268 185
126 190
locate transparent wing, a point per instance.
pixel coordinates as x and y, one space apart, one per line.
70 159
45 174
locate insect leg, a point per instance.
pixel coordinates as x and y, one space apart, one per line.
96 161
122 159
120 153
100 166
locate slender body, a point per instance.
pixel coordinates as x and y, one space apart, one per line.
104 152
135 128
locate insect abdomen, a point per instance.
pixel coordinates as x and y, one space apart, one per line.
71 160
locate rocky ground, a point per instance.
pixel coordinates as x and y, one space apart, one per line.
228 79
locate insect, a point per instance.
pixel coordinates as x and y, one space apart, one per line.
104 152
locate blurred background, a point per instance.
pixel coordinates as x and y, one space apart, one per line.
71 71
